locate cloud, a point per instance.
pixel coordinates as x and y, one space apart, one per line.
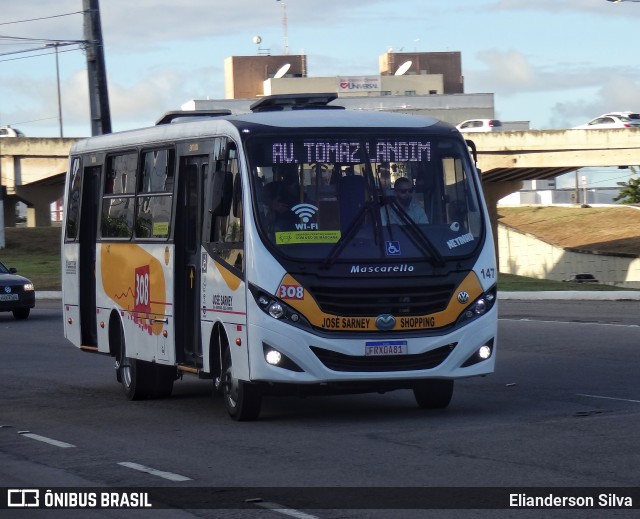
156 93
555 6
144 23
507 70
510 72
617 94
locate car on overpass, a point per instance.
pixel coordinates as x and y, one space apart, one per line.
7 131
480 125
612 120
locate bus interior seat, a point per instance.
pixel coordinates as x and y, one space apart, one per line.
352 191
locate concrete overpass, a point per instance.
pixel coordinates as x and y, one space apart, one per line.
507 158
32 169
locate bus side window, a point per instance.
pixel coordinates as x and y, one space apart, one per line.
119 196
221 206
73 201
234 222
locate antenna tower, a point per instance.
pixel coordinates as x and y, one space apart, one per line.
285 26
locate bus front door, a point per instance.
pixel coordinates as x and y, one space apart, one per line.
191 175
87 259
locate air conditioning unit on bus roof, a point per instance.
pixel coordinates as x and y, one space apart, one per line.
181 116
281 102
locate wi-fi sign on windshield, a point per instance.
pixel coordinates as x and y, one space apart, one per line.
305 211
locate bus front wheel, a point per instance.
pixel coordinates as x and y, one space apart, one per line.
434 393
241 399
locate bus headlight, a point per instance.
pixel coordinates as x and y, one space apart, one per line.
278 359
484 352
273 357
277 308
480 306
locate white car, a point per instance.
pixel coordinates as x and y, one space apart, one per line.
7 131
612 120
480 125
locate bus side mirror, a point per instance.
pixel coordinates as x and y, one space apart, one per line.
473 149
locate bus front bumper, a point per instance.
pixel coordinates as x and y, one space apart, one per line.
304 358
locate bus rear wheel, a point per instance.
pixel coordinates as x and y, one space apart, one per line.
434 393
242 400
141 379
134 376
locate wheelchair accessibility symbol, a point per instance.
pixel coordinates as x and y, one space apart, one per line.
393 248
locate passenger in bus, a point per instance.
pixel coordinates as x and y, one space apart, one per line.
384 174
280 199
403 194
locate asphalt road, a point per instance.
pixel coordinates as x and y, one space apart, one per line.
561 410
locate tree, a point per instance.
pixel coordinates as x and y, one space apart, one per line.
630 192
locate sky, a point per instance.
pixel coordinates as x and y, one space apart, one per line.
555 63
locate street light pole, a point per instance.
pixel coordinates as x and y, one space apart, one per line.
55 46
59 96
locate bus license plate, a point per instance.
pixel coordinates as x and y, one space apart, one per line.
8 297
380 348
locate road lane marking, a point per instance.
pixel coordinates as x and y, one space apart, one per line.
527 320
44 439
154 472
275 507
610 398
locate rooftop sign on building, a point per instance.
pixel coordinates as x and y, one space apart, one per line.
352 84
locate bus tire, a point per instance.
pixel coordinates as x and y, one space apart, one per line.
433 393
21 313
217 344
136 376
242 400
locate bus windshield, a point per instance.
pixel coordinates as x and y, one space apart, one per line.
345 197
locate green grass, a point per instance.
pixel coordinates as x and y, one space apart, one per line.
513 283
35 252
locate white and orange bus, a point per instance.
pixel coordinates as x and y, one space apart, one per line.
277 252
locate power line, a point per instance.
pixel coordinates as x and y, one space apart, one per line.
43 18
37 40
35 55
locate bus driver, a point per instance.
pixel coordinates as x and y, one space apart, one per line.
403 192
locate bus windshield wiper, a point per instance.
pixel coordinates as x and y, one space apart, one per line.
417 236
345 238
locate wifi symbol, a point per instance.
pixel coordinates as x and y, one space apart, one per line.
304 211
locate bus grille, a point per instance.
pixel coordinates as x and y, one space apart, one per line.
363 300
340 362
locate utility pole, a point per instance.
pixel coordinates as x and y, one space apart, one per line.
98 94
